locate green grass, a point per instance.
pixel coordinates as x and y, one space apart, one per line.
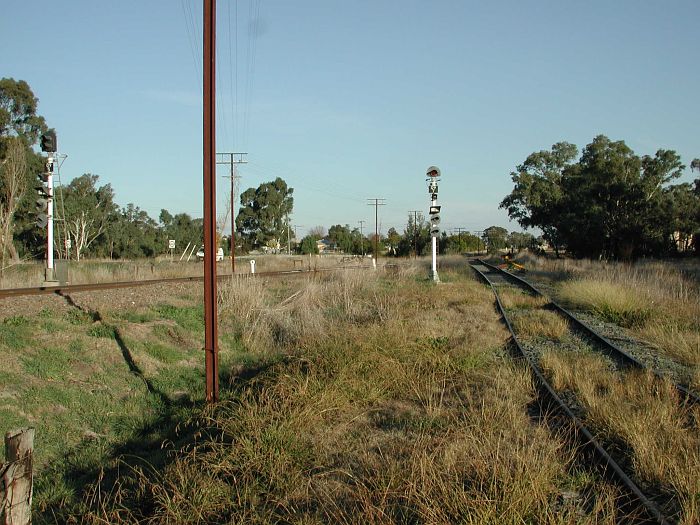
191 318
47 363
161 352
15 332
102 330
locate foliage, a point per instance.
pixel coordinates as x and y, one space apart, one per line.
611 203
308 245
495 238
263 217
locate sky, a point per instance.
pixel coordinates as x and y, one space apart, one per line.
350 100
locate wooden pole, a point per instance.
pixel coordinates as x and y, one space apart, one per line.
16 478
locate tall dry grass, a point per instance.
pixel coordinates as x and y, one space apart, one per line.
656 301
392 403
642 412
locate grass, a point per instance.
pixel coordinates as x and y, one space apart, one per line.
512 298
658 303
360 399
611 301
643 413
540 323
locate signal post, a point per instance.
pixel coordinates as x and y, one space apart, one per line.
433 174
44 204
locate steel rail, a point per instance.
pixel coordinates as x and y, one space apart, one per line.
72 288
589 440
683 390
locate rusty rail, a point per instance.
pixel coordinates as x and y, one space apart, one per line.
72 288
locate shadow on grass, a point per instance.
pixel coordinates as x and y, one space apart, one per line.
177 424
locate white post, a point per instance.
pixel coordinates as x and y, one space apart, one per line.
434 243
252 266
49 222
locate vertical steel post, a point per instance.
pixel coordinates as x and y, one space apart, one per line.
233 218
210 313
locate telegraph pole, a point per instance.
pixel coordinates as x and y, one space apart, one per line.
211 354
233 159
459 232
415 231
376 204
362 238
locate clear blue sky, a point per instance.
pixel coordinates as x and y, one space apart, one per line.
349 100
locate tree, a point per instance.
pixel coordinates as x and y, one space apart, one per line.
262 218
87 212
495 238
536 199
12 181
20 122
182 228
520 240
416 236
308 245
136 234
393 239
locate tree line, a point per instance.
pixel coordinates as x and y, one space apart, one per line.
607 203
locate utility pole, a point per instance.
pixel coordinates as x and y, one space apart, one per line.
478 234
459 232
296 237
415 231
377 203
289 251
362 238
233 159
211 354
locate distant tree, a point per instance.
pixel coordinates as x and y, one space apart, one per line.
182 228
416 236
495 238
695 165
520 240
537 198
87 212
461 243
319 232
262 218
393 239
137 234
308 245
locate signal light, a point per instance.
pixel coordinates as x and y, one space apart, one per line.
434 220
48 141
434 210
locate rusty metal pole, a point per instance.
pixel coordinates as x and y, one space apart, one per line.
233 219
210 314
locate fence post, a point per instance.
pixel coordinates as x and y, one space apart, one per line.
16 478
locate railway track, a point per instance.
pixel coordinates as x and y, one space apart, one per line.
71 288
605 344
615 464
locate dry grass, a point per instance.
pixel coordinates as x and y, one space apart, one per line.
392 403
540 323
516 298
659 303
643 413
